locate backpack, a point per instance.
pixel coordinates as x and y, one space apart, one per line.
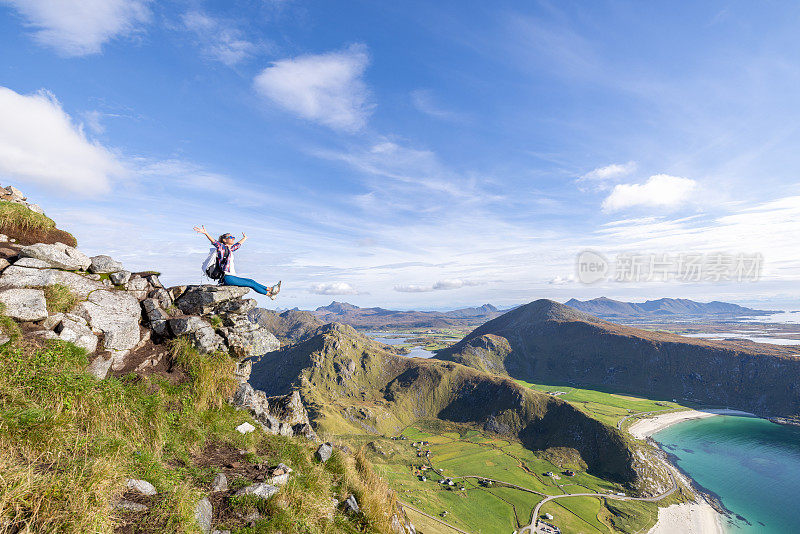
215 270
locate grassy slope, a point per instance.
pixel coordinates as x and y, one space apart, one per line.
385 393
68 441
28 227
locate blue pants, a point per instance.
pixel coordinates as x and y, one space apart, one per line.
230 280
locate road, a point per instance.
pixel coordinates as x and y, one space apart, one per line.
531 529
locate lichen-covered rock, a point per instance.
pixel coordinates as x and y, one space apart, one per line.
262 489
201 300
57 255
114 313
100 366
138 287
103 264
32 262
236 306
120 277
24 304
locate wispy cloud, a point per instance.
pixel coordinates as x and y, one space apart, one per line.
40 143
326 88
423 100
600 177
333 288
81 27
659 191
441 285
218 40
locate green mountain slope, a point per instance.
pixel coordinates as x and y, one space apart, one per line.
545 341
351 384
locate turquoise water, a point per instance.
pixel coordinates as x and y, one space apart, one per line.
752 465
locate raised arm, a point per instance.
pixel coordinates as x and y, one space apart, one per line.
243 239
202 230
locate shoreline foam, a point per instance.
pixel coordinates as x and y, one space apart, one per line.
687 518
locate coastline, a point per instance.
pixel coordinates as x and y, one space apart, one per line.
688 518
647 427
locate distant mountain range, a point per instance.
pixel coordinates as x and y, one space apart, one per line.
662 308
346 313
552 343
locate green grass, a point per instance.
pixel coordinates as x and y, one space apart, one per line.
576 515
59 298
15 216
609 408
68 441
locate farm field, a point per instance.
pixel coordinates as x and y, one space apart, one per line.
466 456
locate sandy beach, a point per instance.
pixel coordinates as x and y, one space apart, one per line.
692 518
647 427
687 518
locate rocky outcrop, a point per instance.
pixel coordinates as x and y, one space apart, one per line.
117 312
282 414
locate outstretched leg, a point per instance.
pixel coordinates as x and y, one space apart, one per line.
231 280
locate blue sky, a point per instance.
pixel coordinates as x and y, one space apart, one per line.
412 154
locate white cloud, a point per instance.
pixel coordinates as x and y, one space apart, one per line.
438 286
39 143
333 288
219 42
80 27
325 88
92 119
659 191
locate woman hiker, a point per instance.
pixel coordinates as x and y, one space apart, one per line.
222 252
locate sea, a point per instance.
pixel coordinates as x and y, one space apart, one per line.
751 465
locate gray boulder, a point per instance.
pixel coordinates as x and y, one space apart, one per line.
24 304
4 339
3 264
201 300
114 313
324 452
32 263
156 317
278 476
142 487
28 277
58 255
201 333
78 333
351 505
250 341
138 287
204 514
163 297
236 306
120 277
103 264
262 489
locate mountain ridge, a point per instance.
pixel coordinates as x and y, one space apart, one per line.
548 341
663 307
